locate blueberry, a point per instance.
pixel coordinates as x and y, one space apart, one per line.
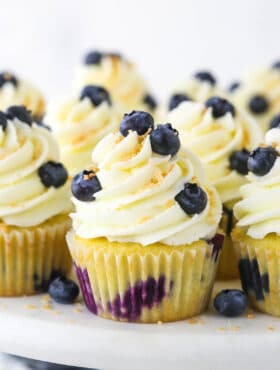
93 57
138 121
258 104
192 199
276 65
261 160
165 140
275 122
219 106
238 161
84 185
96 94
6 77
21 113
231 302
150 101
3 121
205 76
234 86
53 174
177 99
63 290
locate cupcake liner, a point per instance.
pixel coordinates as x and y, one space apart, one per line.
128 282
259 266
228 264
30 257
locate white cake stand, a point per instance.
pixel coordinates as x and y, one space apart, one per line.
33 327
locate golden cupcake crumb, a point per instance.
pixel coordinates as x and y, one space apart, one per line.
250 316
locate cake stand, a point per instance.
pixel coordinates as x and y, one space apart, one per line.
38 328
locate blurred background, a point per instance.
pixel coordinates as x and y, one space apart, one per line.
44 40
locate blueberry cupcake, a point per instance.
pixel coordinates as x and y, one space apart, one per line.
144 238
198 87
118 75
259 94
221 137
257 233
34 203
80 121
15 91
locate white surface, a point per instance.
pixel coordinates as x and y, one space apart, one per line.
44 40
65 336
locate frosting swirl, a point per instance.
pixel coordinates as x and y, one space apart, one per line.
136 202
213 140
24 200
15 91
258 211
263 82
117 75
78 126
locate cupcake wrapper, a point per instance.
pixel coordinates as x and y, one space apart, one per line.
228 264
31 257
146 284
259 266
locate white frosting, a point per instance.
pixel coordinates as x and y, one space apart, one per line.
136 203
259 209
78 126
213 140
24 200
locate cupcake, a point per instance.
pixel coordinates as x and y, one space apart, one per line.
144 239
259 94
198 87
34 203
118 75
257 232
15 91
221 137
80 121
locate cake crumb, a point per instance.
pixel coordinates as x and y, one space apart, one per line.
78 309
159 322
30 306
222 329
192 321
271 328
235 328
250 316
47 306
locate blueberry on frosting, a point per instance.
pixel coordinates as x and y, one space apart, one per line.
238 161
258 104
93 57
6 77
234 86
84 185
165 140
21 113
96 94
138 121
205 76
219 106
276 65
192 199
3 121
150 101
53 174
275 122
177 99
261 160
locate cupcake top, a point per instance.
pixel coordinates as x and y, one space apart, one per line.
259 211
221 137
116 74
199 87
33 184
80 121
15 91
144 187
259 94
